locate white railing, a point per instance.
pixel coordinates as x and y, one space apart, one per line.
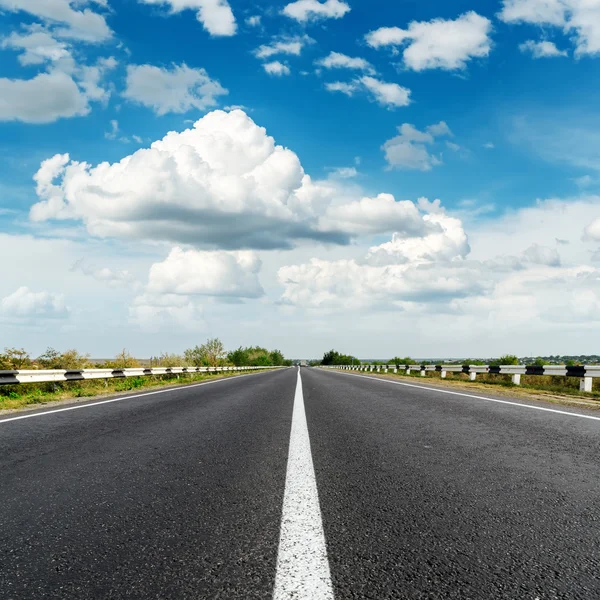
585 373
41 376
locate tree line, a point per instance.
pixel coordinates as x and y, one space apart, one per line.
332 357
211 353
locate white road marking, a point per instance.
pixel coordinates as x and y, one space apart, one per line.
120 399
302 565
442 391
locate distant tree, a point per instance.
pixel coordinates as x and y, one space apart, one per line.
169 360
209 354
276 358
330 358
123 360
506 359
539 361
239 357
15 358
50 359
335 358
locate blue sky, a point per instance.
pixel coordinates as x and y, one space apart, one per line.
490 107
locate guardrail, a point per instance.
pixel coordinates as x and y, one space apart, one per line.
41 376
585 373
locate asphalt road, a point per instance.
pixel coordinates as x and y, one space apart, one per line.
211 492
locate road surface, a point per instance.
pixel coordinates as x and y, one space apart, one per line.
337 486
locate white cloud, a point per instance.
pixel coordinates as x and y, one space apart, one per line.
193 272
426 268
222 184
543 49
579 19
45 98
592 231
382 214
216 16
542 255
276 68
253 21
68 86
90 79
114 130
409 149
176 90
340 86
454 147
85 24
336 60
37 47
313 10
23 304
344 172
113 277
390 95
285 45
438 44
167 312
442 282
489 146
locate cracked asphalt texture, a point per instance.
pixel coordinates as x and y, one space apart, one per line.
178 495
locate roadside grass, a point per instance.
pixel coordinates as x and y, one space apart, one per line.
20 395
552 384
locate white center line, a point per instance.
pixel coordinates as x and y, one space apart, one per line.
443 391
302 565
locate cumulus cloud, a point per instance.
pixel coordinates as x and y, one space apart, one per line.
543 49
578 17
25 305
166 312
313 10
253 21
222 184
377 215
65 90
440 273
340 86
337 60
542 255
193 272
114 278
592 231
284 45
423 268
85 24
438 44
178 89
42 99
276 68
390 95
37 46
216 16
409 149
344 173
